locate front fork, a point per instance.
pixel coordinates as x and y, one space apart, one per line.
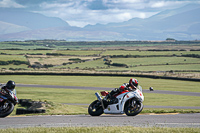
3 105
100 99
132 103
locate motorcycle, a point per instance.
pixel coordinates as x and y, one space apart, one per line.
128 102
7 103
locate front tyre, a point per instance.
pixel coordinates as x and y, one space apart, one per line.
133 109
6 109
95 108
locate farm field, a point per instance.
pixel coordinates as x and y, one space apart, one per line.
182 62
146 52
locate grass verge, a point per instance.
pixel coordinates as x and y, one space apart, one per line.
124 129
103 81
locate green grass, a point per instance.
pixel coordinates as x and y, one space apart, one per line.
96 52
105 129
78 52
155 60
53 108
57 60
145 53
14 52
138 64
89 64
64 52
12 57
56 95
162 68
103 81
171 100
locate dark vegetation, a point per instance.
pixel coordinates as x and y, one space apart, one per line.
51 44
14 62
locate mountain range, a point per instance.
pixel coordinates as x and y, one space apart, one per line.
181 24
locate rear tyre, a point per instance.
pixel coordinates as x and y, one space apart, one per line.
132 110
95 108
6 109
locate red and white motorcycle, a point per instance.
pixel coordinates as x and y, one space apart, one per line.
128 102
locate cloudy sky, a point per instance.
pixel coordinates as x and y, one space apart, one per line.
83 12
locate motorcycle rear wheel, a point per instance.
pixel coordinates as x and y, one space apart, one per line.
7 110
95 108
133 110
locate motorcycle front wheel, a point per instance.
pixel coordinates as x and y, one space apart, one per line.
6 109
95 108
132 110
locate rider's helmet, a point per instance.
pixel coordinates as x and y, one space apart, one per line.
133 83
10 85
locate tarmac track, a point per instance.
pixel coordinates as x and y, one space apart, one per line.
144 120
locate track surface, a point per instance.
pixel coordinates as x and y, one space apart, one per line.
165 120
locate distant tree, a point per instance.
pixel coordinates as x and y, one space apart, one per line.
170 39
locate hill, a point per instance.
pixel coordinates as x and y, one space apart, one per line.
181 24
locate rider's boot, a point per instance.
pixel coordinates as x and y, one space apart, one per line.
107 97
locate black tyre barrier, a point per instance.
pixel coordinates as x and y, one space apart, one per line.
29 111
25 102
31 107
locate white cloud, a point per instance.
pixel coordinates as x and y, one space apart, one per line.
167 4
10 3
79 13
158 4
46 5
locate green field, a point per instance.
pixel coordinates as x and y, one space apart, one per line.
54 62
140 56
12 57
146 53
157 60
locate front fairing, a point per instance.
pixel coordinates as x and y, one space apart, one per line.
140 88
136 94
14 95
11 96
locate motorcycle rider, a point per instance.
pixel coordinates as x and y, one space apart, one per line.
10 85
132 85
